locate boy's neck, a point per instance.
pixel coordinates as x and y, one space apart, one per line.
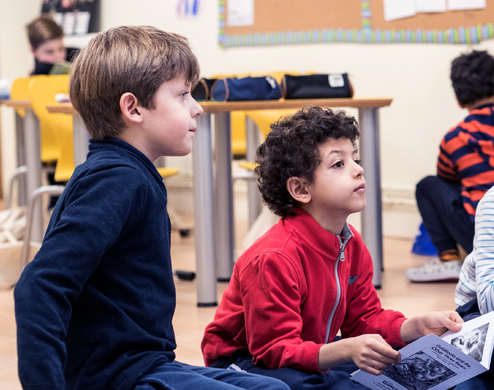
478 103
332 224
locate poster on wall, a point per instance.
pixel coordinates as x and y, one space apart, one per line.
75 16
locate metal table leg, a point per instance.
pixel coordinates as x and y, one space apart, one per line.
81 140
223 197
32 138
253 196
203 213
22 194
372 214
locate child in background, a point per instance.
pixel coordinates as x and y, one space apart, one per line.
94 308
310 276
46 41
475 289
465 170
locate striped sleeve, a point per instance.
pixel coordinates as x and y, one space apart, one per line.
477 272
466 156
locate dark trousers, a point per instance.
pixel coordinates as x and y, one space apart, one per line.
180 376
338 378
469 311
444 217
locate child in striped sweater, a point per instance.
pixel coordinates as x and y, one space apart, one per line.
475 289
465 170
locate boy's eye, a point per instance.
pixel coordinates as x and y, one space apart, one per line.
357 162
338 164
184 94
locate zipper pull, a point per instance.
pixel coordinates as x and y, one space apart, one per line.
342 252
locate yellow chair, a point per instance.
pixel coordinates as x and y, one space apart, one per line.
264 119
19 92
57 141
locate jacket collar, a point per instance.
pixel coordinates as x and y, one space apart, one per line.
313 233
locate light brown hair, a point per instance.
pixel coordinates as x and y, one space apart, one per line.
43 29
135 59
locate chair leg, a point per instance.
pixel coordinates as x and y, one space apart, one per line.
32 205
16 176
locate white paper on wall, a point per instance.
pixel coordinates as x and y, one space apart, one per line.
398 9
454 5
240 13
431 5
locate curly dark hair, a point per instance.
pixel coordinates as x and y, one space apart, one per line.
292 149
473 76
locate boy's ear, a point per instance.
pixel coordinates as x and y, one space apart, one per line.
297 189
130 107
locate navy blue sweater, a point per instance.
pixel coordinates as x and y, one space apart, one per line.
94 308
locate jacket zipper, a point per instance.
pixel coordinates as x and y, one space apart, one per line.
341 257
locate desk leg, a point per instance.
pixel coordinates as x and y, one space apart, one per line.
253 196
372 214
22 194
32 138
223 197
203 213
81 140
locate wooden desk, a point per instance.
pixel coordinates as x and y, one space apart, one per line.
28 154
213 193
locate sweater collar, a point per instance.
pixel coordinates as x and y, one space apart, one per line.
118 143
310 230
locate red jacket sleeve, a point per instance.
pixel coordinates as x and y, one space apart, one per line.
273 294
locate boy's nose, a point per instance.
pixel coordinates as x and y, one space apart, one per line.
197 110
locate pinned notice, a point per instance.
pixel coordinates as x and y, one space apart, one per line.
240 13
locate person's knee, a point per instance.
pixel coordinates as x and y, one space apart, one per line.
424 186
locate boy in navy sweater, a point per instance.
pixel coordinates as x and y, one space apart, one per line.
94 308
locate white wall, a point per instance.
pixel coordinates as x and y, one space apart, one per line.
416 76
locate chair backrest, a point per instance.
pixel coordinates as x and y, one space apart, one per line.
56 129
19 92
264 118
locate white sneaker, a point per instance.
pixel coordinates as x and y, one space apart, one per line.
436 270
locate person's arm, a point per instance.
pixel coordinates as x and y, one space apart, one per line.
446 167
369 352
272 294
96 209
484 253
436 322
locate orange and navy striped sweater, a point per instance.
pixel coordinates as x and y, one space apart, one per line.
466 156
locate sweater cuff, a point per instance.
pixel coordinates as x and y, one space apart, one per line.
394 333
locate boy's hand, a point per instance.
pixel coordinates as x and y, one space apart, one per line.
436 322
372 354
369 352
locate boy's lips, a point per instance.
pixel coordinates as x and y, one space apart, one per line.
360 188
193 130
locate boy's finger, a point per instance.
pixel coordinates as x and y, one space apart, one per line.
454 321
385 350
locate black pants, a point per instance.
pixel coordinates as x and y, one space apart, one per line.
444 217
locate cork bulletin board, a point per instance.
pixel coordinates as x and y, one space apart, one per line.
282 22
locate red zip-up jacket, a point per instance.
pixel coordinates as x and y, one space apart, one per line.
291 292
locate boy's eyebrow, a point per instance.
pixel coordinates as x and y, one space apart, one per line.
337 151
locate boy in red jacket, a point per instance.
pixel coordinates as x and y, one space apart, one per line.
310 275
